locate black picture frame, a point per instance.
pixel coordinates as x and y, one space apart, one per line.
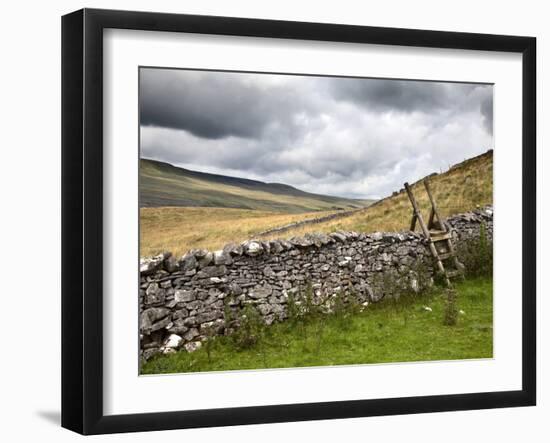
82 215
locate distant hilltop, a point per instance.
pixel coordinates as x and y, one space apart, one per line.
162 184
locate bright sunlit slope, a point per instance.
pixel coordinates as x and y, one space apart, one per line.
462 188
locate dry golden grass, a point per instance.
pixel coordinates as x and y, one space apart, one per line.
458 190
178 229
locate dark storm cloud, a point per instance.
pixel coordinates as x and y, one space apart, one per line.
213 105
402 95
341 136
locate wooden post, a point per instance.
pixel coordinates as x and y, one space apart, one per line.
413 222
434 207
431 219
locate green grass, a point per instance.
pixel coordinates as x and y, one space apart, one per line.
384 332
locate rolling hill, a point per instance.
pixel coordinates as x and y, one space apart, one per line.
162 184
461 188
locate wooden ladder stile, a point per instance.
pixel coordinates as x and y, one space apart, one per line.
435 232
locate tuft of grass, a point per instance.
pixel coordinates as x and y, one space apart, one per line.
450 312
385 332
476 254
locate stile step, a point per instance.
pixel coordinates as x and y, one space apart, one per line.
453 273
436 236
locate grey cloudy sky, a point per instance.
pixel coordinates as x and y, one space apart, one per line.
340 136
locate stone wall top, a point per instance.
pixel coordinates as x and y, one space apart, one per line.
207 260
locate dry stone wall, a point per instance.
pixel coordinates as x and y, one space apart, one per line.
182 300
310 221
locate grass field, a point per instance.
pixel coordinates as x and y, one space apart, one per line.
384 332
178 229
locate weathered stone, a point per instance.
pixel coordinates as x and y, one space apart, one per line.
207 316
200 253
275 246
180 314
166 284
252 248
188 262
301 242
235 289
206 260
344 262
210 328
264 308
190 321
338 236
376 236
233 249
171 264
213 296
161 324
171 304
154 294
152 289
150 353
184 296
195 304
173 341
266 247
222 258
191 334
150 316
385 257
258 293
286 245
212 271
192 346
150 265
278 310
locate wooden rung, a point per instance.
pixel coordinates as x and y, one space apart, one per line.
445 255
440 237
453 273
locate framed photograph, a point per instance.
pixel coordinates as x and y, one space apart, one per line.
269 221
